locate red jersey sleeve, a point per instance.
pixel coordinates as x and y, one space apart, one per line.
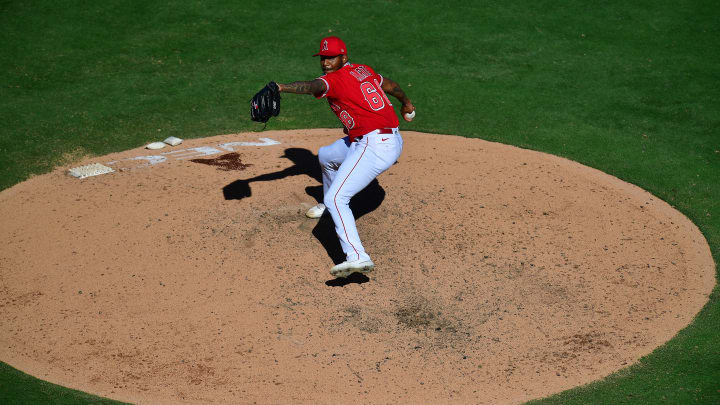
331 84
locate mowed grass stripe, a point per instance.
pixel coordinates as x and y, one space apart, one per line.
631 89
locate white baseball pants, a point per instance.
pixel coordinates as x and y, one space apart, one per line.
347 168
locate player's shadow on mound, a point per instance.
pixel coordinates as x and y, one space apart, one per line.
355 278
306 163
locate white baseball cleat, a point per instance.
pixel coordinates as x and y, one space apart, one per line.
316 211
345 269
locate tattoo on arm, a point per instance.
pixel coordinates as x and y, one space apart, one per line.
398 93
394 90
304 87
296 87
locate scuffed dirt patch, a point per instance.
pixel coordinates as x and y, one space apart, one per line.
226 162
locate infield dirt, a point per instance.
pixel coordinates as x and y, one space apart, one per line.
502 275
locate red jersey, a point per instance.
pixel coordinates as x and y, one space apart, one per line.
355 95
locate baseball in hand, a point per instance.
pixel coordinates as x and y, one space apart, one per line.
409 116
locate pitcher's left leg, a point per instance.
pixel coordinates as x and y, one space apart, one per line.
355 173
366 159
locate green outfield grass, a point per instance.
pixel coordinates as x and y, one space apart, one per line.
630 88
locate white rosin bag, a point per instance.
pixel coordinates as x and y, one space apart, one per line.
173 141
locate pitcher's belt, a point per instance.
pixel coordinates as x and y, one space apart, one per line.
385 131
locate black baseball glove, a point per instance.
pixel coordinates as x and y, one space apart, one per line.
266 103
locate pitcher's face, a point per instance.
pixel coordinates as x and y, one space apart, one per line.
329 64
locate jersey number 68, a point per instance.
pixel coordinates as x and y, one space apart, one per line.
373 97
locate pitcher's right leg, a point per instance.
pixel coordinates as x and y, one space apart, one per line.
330 158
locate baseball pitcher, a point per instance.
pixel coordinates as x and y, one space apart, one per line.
357 95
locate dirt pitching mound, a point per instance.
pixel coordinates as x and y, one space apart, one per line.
191 275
